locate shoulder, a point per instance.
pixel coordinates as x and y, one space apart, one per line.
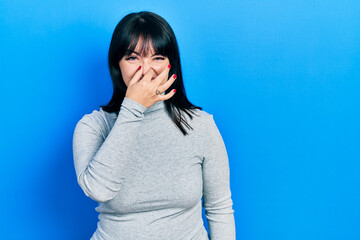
98 121
202 115
212 137
206 131
201 120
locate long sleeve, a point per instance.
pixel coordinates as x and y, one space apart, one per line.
217 200
100 160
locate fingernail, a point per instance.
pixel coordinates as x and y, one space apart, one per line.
174 90
139 68
169 66
175 76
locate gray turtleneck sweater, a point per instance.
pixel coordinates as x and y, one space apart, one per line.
149 179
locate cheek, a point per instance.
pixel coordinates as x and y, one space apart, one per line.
160 67
127 71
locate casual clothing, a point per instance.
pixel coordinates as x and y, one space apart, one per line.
149 179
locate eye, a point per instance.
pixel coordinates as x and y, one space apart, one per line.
130 58
159 58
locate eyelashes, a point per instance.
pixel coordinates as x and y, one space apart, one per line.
134 58
130 58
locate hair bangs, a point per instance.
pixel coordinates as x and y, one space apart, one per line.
152 39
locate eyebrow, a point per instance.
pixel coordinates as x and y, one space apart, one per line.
128 52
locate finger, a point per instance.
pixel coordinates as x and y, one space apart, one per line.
136 77
168 95
147 77
167 84
162 76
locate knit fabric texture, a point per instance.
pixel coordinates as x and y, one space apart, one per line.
150 180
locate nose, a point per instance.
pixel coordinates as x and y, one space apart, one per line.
145 66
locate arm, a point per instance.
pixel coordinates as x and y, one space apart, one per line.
99 163
217 200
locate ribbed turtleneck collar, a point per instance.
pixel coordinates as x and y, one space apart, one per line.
156 106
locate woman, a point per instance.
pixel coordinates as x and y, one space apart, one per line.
135 157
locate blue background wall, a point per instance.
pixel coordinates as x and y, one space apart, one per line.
281 78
